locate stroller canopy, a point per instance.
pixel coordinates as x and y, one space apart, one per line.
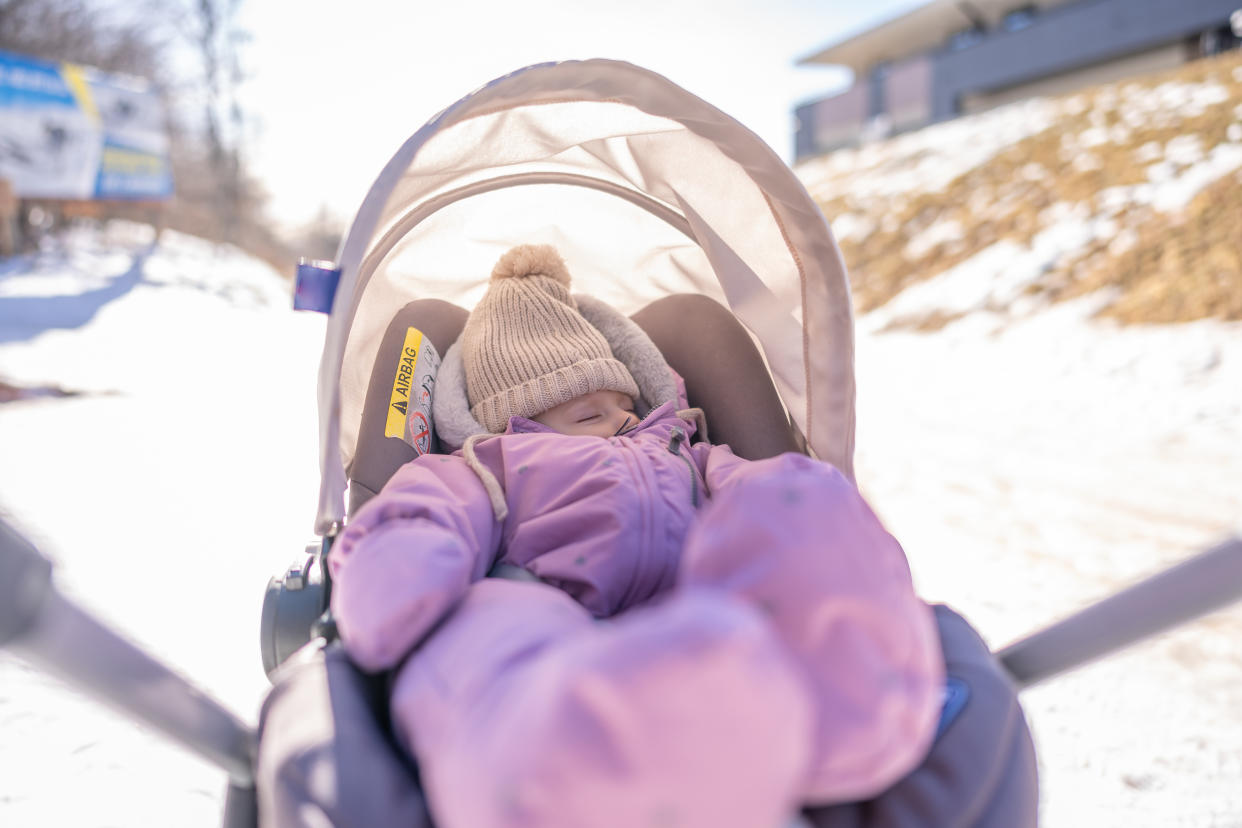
645 189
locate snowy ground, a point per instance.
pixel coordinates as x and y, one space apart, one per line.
168 494
1028 466
1034 467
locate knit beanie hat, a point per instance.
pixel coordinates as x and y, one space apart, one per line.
526 348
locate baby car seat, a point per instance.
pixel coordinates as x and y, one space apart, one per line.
326 754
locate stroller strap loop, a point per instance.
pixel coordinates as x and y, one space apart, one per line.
494 493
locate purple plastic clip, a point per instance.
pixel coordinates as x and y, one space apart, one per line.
315 285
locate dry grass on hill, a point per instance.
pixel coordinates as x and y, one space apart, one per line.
1179 268
1117 154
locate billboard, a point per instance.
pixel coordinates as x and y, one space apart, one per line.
72 132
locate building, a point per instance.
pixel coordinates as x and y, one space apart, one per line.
952 57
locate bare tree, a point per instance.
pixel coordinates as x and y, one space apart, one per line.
79 31
212 29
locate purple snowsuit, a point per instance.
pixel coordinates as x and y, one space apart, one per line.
763 646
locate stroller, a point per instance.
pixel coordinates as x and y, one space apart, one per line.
624 173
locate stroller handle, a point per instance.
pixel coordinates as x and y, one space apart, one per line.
1208 581
44 627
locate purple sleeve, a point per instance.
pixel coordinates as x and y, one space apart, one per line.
408 556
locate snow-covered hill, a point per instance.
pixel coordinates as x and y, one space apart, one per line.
1134 187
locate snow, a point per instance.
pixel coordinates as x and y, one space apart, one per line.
167 493
1169 100
939 233
998 275
929 159
1178 188
1180 173
1030 460
1031 466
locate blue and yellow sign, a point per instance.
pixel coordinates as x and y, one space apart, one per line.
72 132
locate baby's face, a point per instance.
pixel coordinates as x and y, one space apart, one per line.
600 414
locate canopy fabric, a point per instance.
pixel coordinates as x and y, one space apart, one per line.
645 189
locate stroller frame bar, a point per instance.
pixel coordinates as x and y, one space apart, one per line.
1209 581
50 631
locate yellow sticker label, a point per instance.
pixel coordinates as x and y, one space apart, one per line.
399 403
75 79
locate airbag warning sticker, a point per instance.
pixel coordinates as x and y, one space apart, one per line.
409 407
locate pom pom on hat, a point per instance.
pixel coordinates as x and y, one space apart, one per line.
526 348
532 260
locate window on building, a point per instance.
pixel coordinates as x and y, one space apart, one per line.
1220 39
1018 18
965 39
878 89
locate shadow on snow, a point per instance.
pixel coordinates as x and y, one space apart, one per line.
22 318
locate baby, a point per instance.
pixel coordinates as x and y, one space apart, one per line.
699 640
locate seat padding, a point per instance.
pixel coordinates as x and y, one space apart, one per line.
725 374
325 755
377 457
